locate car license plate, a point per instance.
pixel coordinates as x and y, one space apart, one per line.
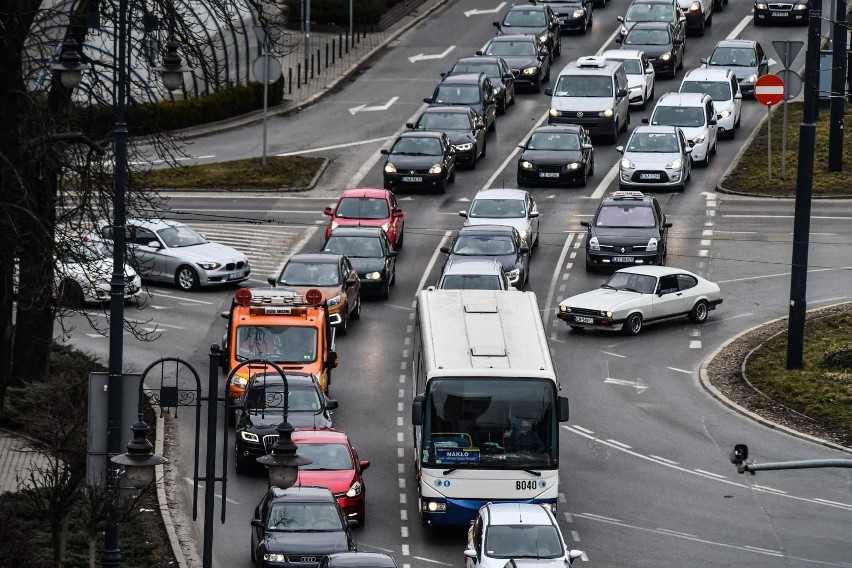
583 319
548 174
649 176
236 275
412 178
622 259
778 14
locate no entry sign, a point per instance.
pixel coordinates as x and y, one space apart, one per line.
769 90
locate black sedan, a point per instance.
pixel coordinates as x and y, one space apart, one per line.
464 127
261 409
420 160
370 252
555 155
496 68
660 43
535 19
499 242
573 15
526 54
298 527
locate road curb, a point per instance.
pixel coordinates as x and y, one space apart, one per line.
704 380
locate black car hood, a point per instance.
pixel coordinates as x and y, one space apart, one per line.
526 30
298 419
552 157
460 136
565 8
624 236
307 543
365 265
651 51
403 162
508 261
520 61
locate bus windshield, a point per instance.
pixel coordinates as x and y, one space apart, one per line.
505 423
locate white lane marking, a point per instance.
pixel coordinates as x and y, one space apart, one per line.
599 517
637 384
695 344
262 223
432 560
400 468
309 232
335 147
766 550
511 156
403 499
562 498
679 370
586 430
389 551
568 518
400 452
619 444
827 217
423 57
601 188
403 515
403 531
555 278
432 261
470 13
837 503
664 460
814 270
826 300
613 354
710 473
678 533
406 551
772 489
736 31
575 536
374 108
609 40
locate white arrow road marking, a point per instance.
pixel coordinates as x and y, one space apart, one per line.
470 13
772 62
365 108
637 384
422 57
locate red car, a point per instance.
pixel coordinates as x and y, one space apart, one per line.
336 466
365 207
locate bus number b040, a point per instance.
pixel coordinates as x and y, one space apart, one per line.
522 485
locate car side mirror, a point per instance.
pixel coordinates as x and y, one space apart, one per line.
398 214
534 214
764 61
524 249
445 250
667 225
619 40
681 18
331 404
470 553
563 409
272 281
738 96
451 152
619 149
409 125
257 523
351 523
688 149
584 223
516 73
574 555
463 214
548 92
154 244
677 41
587 146
417 410
327 211
620 19
428 100
384 152
508 76
704 61
621 93
364 464
522 146
646 121
480 52
392 253
496 25
332 360
350 281
225 315
712 122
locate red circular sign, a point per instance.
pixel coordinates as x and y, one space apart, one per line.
769 90
243 296
313 296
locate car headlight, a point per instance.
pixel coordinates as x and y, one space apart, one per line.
623 31
249 437
652 245
725 114
675 164
699 139
526 165
463 147
385 227
761 6
695 7
374 275
554 112
800 6
666 56
523 235
606 113
573 166
530 71
579 13
627 164
355 490
209 265
334 225
390 168
606 314
436 169
239 381
274 558
751 78
594 244
564 309
334 301
514 274
543 38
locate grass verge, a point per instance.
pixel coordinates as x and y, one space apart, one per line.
752 175
284 172
822 389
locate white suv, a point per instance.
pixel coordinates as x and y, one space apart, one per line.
693 113
503 532
724 89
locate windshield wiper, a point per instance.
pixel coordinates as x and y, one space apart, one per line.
608 286
629 289
449 471
532 472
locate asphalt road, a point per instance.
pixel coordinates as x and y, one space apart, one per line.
645 479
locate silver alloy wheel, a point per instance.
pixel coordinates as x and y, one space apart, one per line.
187 278
699 312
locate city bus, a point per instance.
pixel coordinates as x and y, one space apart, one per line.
486 408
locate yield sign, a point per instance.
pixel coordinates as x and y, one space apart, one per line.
787 51
769 90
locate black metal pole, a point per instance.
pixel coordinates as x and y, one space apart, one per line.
112 553
210 467
804 189
837 101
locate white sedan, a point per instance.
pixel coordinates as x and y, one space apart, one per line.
638 295
641 76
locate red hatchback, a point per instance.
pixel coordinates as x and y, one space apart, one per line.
336 466
363 207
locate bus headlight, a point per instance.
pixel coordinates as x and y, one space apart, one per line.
435 506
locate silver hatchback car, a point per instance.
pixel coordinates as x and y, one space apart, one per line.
169 251
656 157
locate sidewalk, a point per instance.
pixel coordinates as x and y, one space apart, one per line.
16 460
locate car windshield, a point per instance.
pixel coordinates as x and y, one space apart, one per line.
444 121
490 69
718 90
733 57
498 208
523 541
647 37
417 147
525 19
622 216
631 66
483 246
310 274
516 48
639 12
470 282
326 457
180 236
355 247
583 86
362 208
678 116
277 343
78 253
457 94
553 141
654 142
270 398
304 517
642 283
